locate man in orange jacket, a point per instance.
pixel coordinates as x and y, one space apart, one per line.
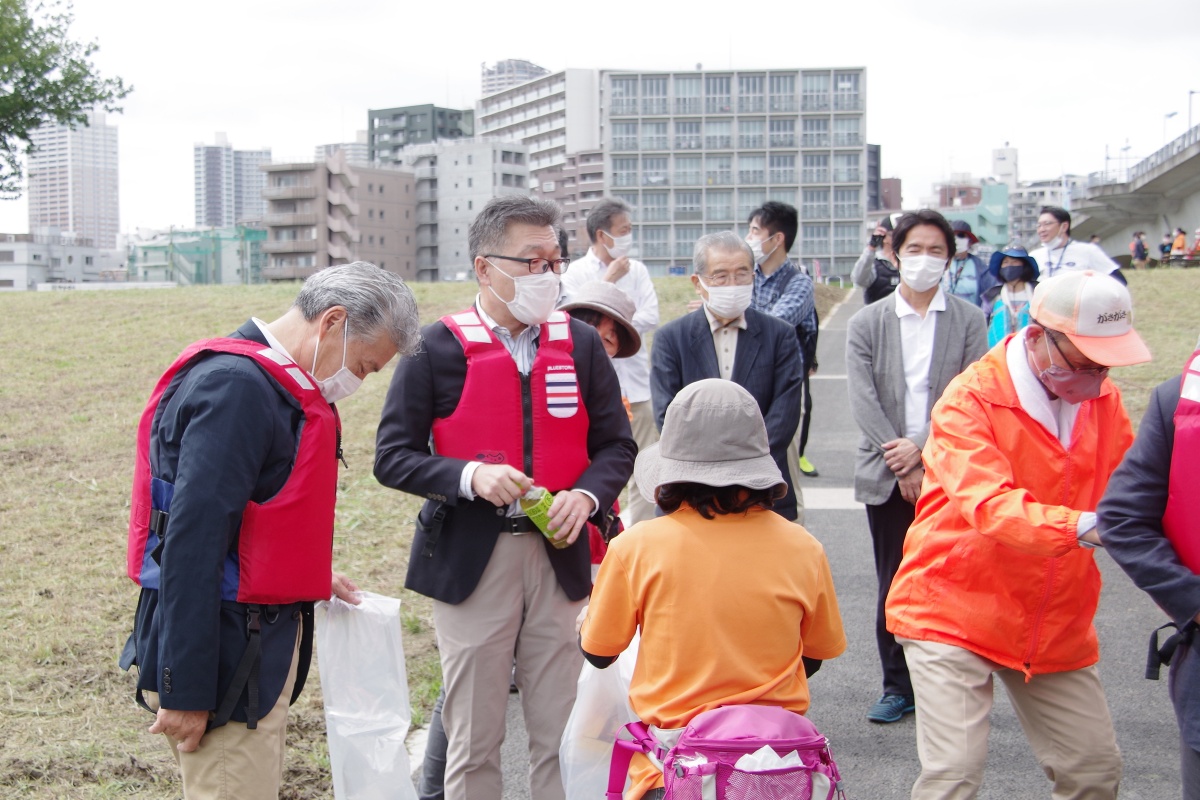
998 576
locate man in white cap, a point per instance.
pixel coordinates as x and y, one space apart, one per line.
998 577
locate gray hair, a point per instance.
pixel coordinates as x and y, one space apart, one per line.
377 302
490 227
725 241
601 217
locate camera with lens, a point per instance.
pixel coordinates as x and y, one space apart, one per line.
877 240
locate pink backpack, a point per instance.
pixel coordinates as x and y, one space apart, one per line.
701 766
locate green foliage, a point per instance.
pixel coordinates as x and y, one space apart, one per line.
44 77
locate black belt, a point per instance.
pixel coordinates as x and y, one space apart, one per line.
519 525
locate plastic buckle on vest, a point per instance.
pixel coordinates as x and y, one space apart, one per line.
1157 656
435 531
253 623
158 522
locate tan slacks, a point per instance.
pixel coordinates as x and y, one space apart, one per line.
518 609
793 462
234 762
1064 715
645 433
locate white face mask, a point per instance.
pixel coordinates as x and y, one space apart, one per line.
921 273
961 244
342 383
728 302
1054 243
757 249
621 245
534 296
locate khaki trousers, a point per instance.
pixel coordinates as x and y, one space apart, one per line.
234 762
645 433
517 610
1064 715
793 461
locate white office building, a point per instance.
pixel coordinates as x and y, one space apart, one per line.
508 73
455 178
228 184
357 153
552 115
73 181
1026 201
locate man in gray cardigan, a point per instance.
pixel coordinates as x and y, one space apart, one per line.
901 352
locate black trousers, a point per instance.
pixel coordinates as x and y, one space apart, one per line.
889 524
807 415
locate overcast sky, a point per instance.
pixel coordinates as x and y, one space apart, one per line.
946 81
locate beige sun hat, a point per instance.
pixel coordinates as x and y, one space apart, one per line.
713 434
610 301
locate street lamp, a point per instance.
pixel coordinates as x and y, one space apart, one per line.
1165 118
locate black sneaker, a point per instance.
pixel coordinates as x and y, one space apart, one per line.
891 708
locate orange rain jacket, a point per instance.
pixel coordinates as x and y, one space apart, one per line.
991 562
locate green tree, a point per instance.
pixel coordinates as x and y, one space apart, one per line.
44 77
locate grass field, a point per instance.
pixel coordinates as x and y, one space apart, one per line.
76 372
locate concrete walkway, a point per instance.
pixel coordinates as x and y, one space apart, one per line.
880 761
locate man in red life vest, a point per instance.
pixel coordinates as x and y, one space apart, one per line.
231 523
511 393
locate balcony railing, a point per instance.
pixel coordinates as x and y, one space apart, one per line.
285 220
655 249
815 211
656 214
656 142
848 210
751 105
426 192
687 179
718 142
751 141
716 213
718 177
847 176
844 247
685 214
816 175
621 143
654 105
783 176
427 237
624 179
426 172
815 140
655 179
814 247
814 102
783 104
751 176
847 102
624 107
687 105
847 139
717 105
289 192
783 140
687 142
290 246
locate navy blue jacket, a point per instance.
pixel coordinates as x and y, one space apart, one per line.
1130 525
447 563
227 436
767 364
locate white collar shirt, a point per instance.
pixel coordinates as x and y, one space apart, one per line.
1056 416
272 342
916 348
632 372
1072 256
725 339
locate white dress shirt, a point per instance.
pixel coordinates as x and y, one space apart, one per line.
632 372
725 339
916 347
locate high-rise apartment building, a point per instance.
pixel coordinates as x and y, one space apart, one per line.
508 73
577 186
73 181
454 179
552 115
228 184
326 212
390 130
358 152
1026 201
1005 167
697 152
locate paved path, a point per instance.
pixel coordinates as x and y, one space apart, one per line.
880 761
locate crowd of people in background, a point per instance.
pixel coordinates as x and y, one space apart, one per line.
1173 250
989 432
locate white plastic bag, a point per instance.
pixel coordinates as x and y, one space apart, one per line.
361 659
601 709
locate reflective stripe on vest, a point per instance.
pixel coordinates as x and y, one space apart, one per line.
285 545
488 424
1181 523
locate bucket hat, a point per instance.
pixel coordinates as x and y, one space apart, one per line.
713 434
963 228
611 302
1014 251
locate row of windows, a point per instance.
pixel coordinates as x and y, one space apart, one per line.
714 94
751 169
751 134
719 203
840 238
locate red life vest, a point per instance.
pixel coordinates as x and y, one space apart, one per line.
1180 521
285 545
490 422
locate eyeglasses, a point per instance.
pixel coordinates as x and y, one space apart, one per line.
743 277
537 265
1090 371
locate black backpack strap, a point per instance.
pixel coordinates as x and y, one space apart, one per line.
1157 656
246 674
306 647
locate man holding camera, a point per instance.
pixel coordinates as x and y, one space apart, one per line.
875 272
